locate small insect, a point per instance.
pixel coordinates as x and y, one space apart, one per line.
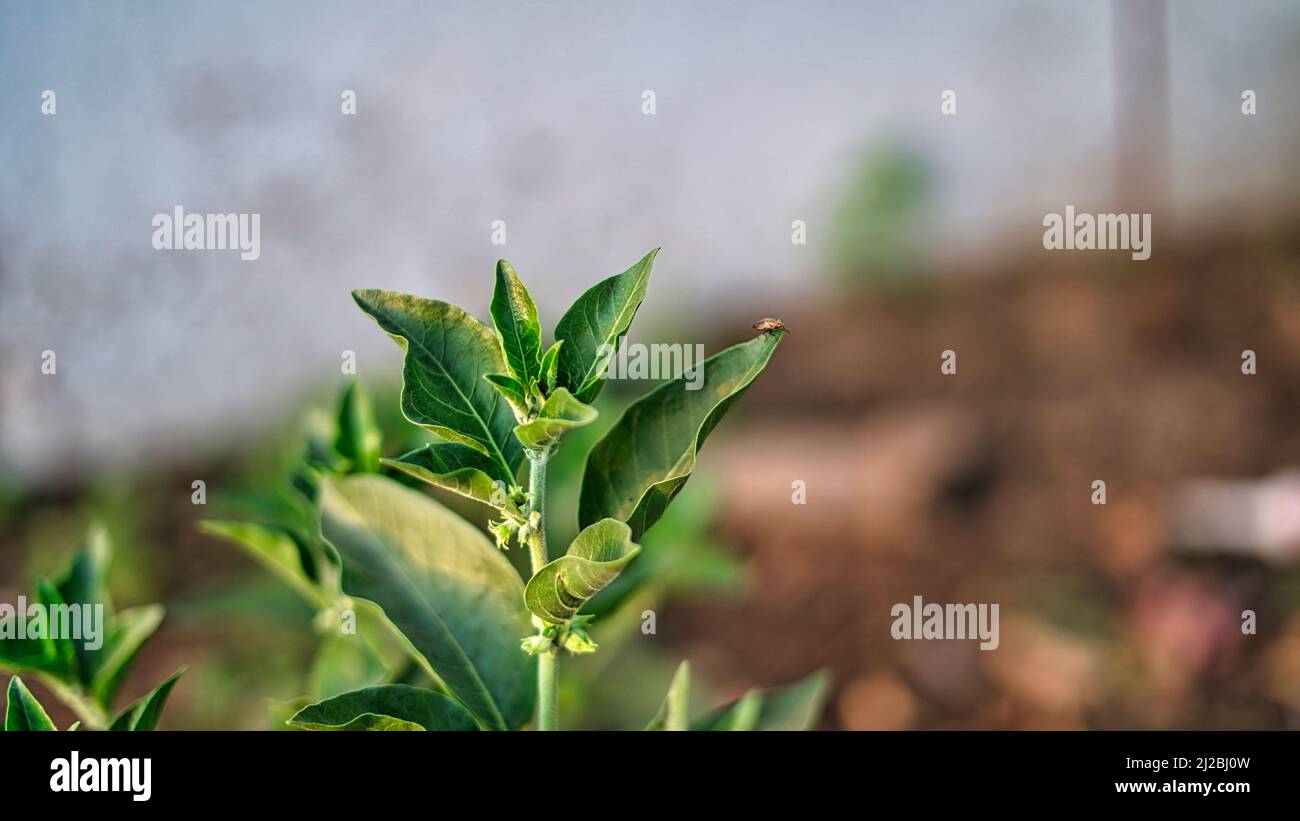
770 323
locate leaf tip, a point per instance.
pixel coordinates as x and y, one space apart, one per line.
365 299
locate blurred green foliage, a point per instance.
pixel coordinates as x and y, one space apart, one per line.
878 223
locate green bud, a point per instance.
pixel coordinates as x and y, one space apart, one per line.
528 528
502 531
536 645
577 641
326 619
519 496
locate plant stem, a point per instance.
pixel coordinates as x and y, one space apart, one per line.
537 484
547 701
679 700
547 707
92 717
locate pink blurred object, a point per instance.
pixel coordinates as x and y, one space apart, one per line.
1256 517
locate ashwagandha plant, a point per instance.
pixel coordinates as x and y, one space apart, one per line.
496 399
84 674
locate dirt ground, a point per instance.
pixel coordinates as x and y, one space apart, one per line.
977 487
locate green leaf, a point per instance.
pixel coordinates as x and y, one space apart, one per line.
793 707
56 657
277 549
67 655
320 435
515 317
560 414
558 590
512 390
23 712
600 317
37 655
550 366
86 578
679 555
674 713
645 459
85 581
359 439
387 707
460 469
346 661
447 354
142 715
442 585
131 628
743 715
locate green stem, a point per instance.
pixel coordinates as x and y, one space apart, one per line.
90 714
547 691
679 700
547 706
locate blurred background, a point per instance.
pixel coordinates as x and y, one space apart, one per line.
924 234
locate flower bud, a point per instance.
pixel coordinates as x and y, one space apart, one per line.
577 641
536 645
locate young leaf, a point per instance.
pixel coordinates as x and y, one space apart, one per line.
142 715
512 390
679 555
69 658
515 317
645 459
550 366
560 588
674 713
27 653
386 707
742 715
86 578
447 353
359 439
560 414
131 628
23 711
345 662
460 469
442 585
277 549
85 581
600 317
793 707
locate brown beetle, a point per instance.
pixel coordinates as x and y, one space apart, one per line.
770 323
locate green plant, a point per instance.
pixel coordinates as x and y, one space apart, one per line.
485 642
86 678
